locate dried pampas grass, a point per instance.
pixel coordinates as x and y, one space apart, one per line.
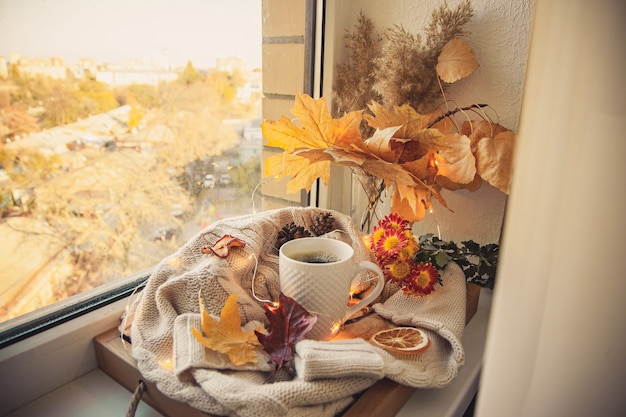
397 67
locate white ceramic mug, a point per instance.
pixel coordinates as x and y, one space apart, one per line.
317 273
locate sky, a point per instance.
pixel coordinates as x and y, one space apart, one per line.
199 31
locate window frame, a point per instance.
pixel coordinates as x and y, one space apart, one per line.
45 318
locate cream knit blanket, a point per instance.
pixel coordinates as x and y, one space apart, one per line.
327 374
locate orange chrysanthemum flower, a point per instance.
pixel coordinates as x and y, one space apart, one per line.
391 243
423 281
411 247
398 270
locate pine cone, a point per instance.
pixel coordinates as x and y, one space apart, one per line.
323 224
290 232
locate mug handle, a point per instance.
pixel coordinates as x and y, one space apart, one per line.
372 295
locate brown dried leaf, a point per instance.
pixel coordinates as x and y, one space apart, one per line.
388 171
456 61
348 157
221 247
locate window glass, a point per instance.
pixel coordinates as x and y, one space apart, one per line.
125 128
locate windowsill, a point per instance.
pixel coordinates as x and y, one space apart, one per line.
95 394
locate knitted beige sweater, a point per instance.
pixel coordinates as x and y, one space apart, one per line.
327 374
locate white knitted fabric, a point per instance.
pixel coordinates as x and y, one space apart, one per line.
327 374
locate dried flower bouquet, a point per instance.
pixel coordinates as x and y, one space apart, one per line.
401 141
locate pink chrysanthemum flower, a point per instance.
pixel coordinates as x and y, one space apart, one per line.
394 221
422 281
390 244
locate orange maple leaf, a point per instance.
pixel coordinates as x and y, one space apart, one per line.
226 336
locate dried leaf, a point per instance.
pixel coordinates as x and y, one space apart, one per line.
317 131
456 61
221 247
412 138
226 336
492 145
289 323
410 202
378 145
456 162
410 121
419 167
494 159
390 172
303 173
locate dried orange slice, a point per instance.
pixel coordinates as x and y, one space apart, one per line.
408 340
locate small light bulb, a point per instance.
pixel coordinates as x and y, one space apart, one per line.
166 364
275 305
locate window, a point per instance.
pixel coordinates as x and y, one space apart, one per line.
125 129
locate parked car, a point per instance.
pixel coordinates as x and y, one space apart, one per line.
225 179
165 233
209 181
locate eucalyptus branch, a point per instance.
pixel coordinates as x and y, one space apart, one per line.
454 111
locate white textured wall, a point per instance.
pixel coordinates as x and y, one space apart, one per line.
499 36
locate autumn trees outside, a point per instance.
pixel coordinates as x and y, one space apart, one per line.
93 209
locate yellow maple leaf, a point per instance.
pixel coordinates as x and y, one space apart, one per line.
306 142
456 61
226 336
302 172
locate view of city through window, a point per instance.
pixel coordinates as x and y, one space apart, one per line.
125 128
